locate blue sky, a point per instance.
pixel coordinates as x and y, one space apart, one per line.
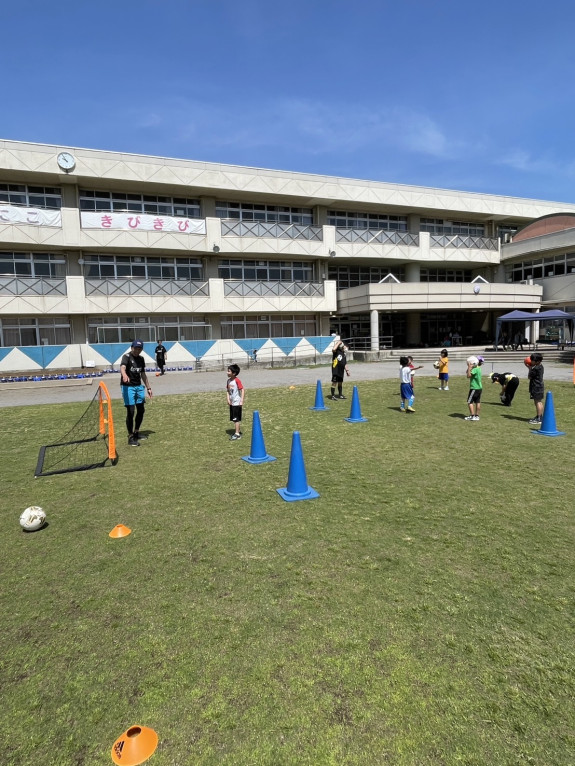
449 93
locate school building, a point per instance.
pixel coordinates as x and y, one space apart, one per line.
99 247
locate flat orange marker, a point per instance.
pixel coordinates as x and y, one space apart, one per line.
134 746
120 531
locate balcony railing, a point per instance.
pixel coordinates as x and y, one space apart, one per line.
231 228
461 240
381 236
145 287
241 288
32 286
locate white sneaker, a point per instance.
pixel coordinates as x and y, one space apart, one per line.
470 417
475 417
446 388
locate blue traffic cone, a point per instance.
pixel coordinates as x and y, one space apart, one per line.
548 426
355 412
297 486
258 452
319 405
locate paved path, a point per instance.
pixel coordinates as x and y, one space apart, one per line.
51 392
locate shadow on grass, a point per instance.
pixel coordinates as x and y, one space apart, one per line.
458 415
516 417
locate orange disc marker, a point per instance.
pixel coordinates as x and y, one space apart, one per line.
134 746
120 531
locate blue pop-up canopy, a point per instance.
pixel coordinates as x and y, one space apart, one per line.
530 316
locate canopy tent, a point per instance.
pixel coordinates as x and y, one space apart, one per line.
529 316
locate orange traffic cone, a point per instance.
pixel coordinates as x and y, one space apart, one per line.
120 531
134 746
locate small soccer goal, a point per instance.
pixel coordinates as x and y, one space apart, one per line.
90 443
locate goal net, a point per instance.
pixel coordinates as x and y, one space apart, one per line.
90 443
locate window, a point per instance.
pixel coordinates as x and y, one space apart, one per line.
463 228
119 202
266 271
537 268
48 197
32 265
260 326
353 276
246 211
139 267
353 220
33 331
149 329
444 275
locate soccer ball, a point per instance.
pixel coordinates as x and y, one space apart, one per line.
436 365
32 518
527 361
473 360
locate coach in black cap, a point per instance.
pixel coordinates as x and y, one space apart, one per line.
134 384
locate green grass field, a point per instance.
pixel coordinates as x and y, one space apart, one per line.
421 611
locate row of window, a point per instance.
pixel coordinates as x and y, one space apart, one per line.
152 204
353 276
32 265
149 329
345 220
35 331
247 211
138 267
267 326
540 268
31 196
266 271
439 226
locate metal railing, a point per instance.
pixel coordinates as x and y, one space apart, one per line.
145 287
32 286
245 288
364 344
463 241
381 236
232 228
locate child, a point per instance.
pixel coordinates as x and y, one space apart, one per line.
536 387
338 367
509 384
475 386
407 396
412 367
235 394
443 370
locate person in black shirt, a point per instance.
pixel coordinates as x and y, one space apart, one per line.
536 387
338 368
134 383
509 384
161 356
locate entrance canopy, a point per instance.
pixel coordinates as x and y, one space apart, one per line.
529 316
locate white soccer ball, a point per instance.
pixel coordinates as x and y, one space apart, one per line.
472 360
32 518
436 365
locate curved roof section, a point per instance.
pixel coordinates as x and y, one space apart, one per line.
548 224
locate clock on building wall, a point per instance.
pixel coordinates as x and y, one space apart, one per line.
66 161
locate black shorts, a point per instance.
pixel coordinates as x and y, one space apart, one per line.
537 394
474 396
236 413
337 378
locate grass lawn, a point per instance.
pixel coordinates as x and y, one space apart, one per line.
421 611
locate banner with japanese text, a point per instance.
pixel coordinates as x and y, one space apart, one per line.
30 215
142 222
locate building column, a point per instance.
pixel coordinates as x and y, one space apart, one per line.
412 272
413 329
374 329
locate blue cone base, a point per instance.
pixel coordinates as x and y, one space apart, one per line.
319 409
289 497
356 420
548 433
266 459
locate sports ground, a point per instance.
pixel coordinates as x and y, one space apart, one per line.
420 611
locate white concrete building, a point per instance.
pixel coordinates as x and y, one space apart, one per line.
97 248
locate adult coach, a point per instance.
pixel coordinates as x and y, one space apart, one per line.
338 368
134 385
161 353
